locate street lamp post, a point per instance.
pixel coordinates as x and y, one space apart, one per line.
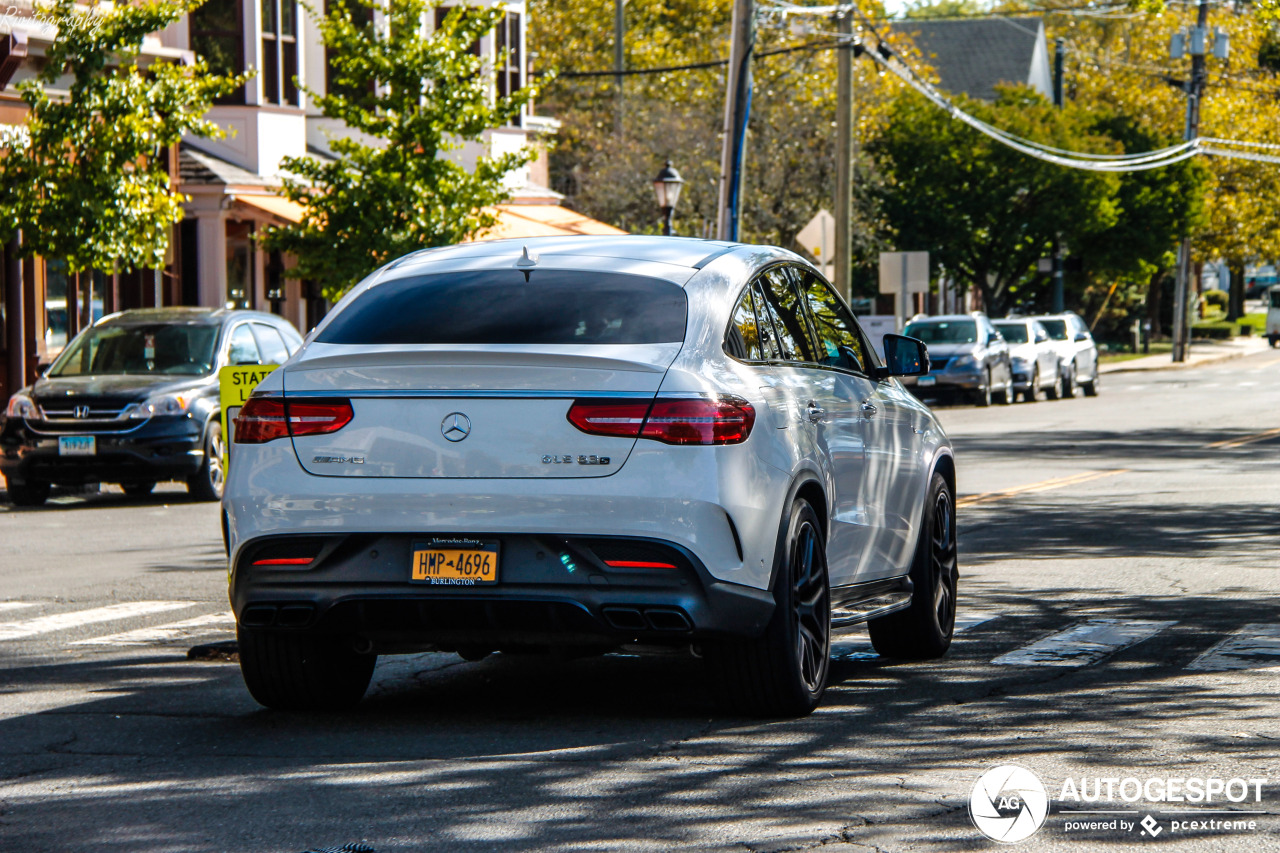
666 186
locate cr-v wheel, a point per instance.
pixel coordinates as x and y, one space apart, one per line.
924 629
206 484
784 672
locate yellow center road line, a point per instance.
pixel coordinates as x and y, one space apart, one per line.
1044 486
1242 441
1272 363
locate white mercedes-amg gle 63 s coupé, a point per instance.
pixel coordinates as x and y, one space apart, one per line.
581 444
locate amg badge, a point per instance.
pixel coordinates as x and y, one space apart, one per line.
340 460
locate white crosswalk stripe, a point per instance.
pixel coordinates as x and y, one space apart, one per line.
175 632
862 649
1083 644
78 618
1255 646
15 605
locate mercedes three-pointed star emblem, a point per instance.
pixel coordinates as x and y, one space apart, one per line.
455 426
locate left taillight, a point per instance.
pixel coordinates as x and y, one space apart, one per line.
265 419
710 420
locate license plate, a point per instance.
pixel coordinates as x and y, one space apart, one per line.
926 381
455 562
77 445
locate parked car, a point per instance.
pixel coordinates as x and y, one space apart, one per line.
1036 364
133 400
583 443
1273 315
967 355
1077 350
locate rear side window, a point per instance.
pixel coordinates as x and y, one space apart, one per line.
271 344
788 316
501 307
244 350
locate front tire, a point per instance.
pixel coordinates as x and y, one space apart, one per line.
302 672
30 493
924 629
1091 387
206 484
783 673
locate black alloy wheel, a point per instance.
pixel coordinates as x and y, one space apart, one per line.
924 630
784 672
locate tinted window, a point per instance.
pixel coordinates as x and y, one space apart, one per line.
244 350
270 344
178 349
1275 299
788 315
500 307
742 341
839 344
1057 329
1014 333
943 332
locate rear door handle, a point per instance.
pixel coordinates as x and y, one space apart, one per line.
815 412
869 409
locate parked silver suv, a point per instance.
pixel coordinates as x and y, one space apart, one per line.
1079 354
968 355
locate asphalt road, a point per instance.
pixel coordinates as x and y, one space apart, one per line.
1118 595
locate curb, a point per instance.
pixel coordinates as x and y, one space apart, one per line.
1173 365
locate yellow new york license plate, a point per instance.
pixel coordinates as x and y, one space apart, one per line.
455 563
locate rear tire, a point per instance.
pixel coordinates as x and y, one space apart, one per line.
30 493
1007 394
302 672
1069 385
1032 394
1054 391
924 629
206 484
783 673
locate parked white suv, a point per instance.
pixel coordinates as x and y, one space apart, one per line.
584 443
1075 346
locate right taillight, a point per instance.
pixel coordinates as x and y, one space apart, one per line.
701 421
265 419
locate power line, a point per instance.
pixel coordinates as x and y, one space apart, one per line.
693 66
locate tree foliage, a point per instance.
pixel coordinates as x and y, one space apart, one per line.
88 179
985 212
412 98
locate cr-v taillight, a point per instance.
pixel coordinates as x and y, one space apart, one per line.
265 419
710 420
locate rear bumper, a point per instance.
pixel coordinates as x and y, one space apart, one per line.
158 450
552 591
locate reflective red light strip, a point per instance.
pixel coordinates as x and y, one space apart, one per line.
637 564
284 561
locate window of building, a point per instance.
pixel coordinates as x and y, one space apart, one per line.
217 34
280 52
240 266
509 57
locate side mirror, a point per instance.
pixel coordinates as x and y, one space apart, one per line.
1082 336
904 356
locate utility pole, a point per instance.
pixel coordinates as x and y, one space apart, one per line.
1195 86
15 317
844 153
737 108
619 60
1059 295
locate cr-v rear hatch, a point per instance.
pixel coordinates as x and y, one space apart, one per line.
477 373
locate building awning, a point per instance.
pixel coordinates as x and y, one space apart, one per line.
281 208
542 220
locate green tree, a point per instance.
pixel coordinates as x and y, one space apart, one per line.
412 98
87 180
985 212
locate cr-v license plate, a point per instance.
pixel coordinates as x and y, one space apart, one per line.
77 445
455 562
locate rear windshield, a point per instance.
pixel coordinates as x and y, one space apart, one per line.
948 332
500 307
1014 333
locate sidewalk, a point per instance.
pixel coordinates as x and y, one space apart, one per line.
1200 353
